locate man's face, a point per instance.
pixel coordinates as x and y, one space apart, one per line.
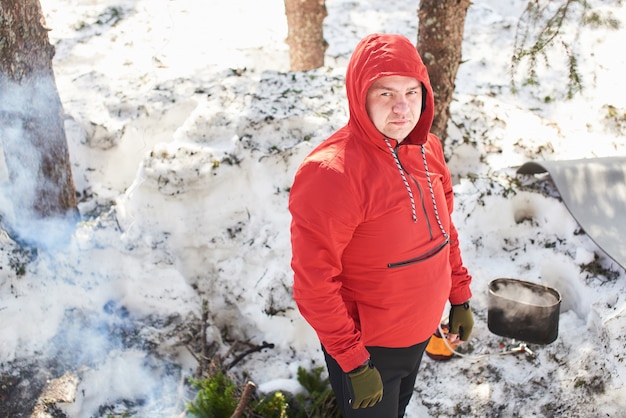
394 105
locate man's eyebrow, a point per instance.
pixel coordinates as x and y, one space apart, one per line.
383 87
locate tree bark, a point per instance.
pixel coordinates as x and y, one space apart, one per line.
32 133
439 41
305 35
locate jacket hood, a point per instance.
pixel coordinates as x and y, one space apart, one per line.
382 55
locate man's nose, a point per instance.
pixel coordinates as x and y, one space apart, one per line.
401 106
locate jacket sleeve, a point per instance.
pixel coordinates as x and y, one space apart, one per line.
461 279
324 217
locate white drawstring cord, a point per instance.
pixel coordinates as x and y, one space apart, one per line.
521 348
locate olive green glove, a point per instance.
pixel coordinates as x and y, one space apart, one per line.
366 386
461 320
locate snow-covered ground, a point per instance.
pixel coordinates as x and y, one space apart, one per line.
185 128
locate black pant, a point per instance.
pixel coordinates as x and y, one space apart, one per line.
398 369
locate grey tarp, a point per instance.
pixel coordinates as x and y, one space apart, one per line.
594 191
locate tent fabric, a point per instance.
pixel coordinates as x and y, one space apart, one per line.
594 191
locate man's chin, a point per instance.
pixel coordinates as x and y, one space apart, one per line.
398 136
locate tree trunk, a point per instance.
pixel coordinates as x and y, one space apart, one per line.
305 35
439 41
32 134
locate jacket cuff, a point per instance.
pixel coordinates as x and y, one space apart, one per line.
460 296
353 359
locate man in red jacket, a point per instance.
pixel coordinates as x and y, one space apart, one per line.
375 253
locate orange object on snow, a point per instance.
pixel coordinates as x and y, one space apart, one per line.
437 349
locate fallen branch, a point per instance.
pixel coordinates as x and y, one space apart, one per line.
254 349
194 355
244 401
204 353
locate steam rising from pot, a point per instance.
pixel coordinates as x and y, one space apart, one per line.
523 310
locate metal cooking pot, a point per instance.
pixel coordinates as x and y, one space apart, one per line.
523 310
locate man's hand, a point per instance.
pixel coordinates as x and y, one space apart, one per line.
366 386
461 323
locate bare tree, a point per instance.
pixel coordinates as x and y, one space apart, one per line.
305 35
32 134
439 41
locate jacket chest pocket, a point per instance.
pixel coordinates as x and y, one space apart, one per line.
421 257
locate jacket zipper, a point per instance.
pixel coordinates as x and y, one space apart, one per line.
419 188
430 253
422 257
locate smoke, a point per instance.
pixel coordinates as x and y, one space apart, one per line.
111 320
23 181
79 297
117 362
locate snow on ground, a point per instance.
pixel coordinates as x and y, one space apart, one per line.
185 129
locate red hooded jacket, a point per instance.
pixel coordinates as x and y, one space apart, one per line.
374 259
